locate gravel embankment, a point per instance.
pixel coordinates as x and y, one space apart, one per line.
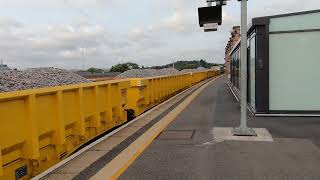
37 78
11 80
140 73
168 71
192 70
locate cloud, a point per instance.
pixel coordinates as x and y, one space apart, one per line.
180 21
9 24
55 33
273 7
57 45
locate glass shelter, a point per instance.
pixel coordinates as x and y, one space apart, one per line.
283 64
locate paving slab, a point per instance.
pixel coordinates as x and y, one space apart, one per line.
61 176
112 142
143 121
126 132
79 164
226 134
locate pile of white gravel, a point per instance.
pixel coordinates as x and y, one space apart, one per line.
11 80
191 70
168 71
141 73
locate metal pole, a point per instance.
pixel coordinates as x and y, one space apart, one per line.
243 64
243 130
82 58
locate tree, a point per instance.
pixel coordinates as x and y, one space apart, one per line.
180 65
203 63
95 70
124 67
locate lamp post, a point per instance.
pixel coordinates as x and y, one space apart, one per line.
243 129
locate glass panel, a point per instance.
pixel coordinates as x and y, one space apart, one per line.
298 22
252 67
294 71
232 69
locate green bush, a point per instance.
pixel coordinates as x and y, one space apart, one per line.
124 67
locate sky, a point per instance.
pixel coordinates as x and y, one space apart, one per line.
76 34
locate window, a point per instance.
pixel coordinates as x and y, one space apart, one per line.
294 71
252 71
293 23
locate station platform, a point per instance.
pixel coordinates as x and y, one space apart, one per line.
176 141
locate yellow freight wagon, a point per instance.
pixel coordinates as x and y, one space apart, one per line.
41 127
198 77
145 93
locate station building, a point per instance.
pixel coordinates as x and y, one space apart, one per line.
283 65
235 36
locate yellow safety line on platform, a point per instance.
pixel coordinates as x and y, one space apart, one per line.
120 163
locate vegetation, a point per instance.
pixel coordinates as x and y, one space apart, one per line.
95 70
180 65
124 67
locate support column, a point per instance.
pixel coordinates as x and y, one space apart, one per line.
243 130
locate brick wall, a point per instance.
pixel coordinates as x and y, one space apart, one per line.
235 36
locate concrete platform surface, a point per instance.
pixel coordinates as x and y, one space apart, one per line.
294 153
226 134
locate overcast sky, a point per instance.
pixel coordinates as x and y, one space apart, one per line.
39 33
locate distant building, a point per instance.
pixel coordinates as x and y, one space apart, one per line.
278 49
235 36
